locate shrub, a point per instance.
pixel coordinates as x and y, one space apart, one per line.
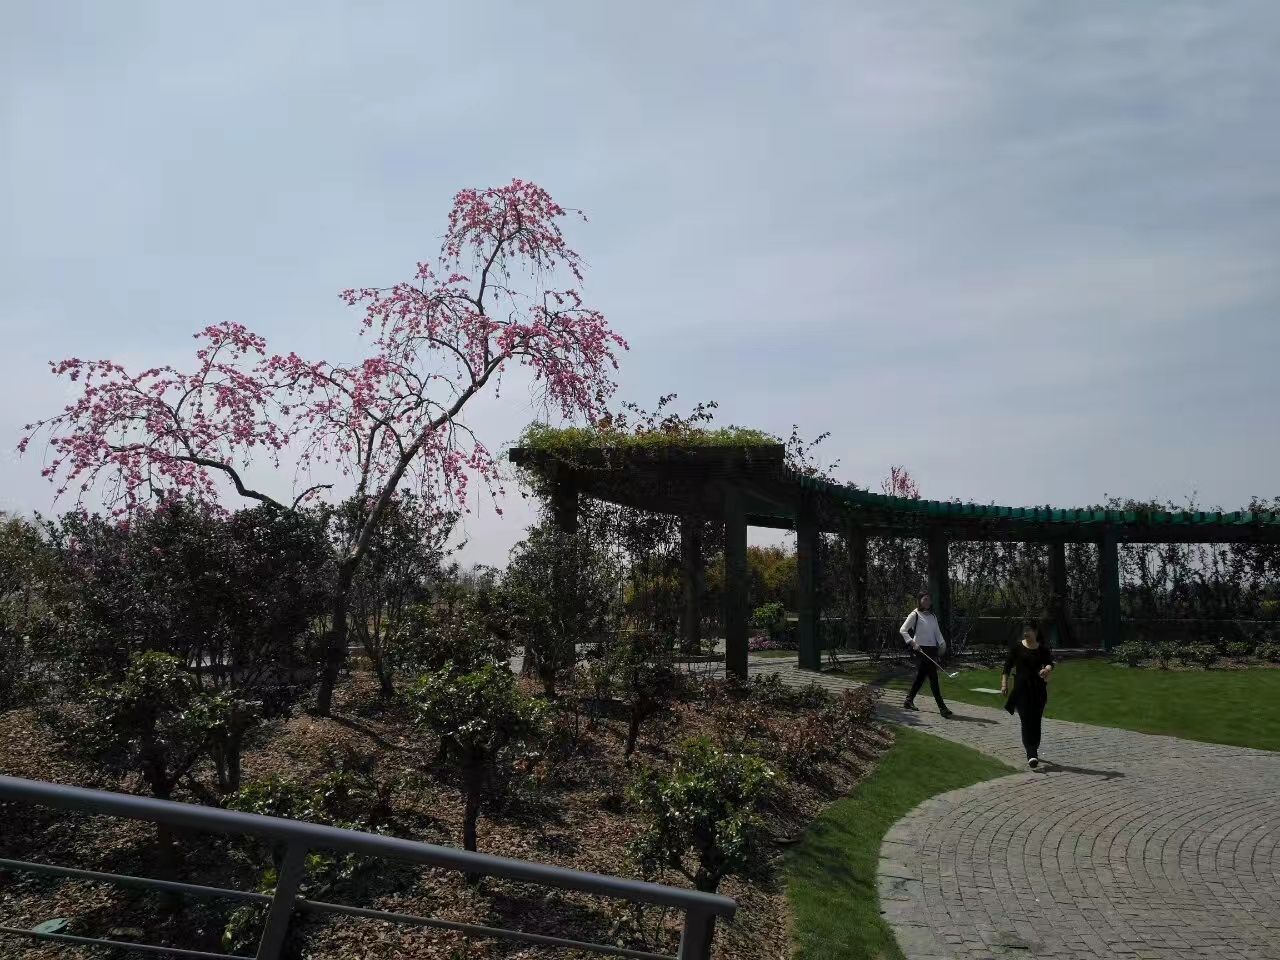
483 720
808 742
1132 653
562 591
768 688
1163 653
1239 650
700 819
28 579
226 720
641 673
855 706
1269 651
427 637
1200 654
349 796
155 721
771 618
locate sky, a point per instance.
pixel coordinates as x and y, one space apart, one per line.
1028 251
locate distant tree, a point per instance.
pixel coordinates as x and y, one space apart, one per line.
29 578
404 564
561 591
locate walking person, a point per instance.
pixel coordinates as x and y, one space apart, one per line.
1031 661
923 635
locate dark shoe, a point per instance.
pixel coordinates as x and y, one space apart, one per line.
908 705
1032 762
946 714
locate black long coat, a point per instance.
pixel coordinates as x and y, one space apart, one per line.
1029 690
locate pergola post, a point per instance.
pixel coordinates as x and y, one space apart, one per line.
1109 587
735 585
807 586
691 562
1059 608
940 579
856 544
564 503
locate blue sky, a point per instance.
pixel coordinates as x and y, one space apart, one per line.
1027 250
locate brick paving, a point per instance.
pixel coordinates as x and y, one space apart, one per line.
1125 845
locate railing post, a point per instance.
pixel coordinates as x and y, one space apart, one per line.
695 941
281 910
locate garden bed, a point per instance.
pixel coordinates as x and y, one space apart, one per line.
571 811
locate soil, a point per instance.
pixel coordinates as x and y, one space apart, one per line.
570 810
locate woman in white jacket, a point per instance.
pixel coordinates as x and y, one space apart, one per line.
923 635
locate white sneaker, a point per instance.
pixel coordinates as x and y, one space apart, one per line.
1033 763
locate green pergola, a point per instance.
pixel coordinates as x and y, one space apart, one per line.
745 486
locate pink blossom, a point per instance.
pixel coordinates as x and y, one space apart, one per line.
490 300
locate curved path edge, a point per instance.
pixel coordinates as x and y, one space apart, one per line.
1123 846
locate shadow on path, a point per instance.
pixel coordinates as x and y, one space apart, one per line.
1051 767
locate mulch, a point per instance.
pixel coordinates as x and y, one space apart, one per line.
569 811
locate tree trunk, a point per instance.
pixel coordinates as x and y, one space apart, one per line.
633 732
472 786
385 687
235 746
335 652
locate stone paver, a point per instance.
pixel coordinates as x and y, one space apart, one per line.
1124 845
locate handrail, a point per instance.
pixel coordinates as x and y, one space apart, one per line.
701 909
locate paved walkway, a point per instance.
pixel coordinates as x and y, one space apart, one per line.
1125 846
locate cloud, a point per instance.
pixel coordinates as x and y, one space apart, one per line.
1024 250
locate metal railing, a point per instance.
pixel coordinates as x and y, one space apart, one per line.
700 909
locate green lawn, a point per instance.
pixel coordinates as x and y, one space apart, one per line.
1237 707
831 874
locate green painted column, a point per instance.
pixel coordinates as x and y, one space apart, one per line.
856 544
1109 587
735 585
940 579
1059 608
691 562
807 587
564 503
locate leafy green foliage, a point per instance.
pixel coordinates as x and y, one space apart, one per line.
565 441
640 672
483 722
429 636
28 578
769 690
1238 650
226 719
770 617
700 819
233 597
350 796
1268 651
403 565
154 720
1200 654
562 591
1133 653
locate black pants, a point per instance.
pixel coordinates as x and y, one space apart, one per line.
926 670
1031 714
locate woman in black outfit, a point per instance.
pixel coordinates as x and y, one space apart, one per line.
1031 662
